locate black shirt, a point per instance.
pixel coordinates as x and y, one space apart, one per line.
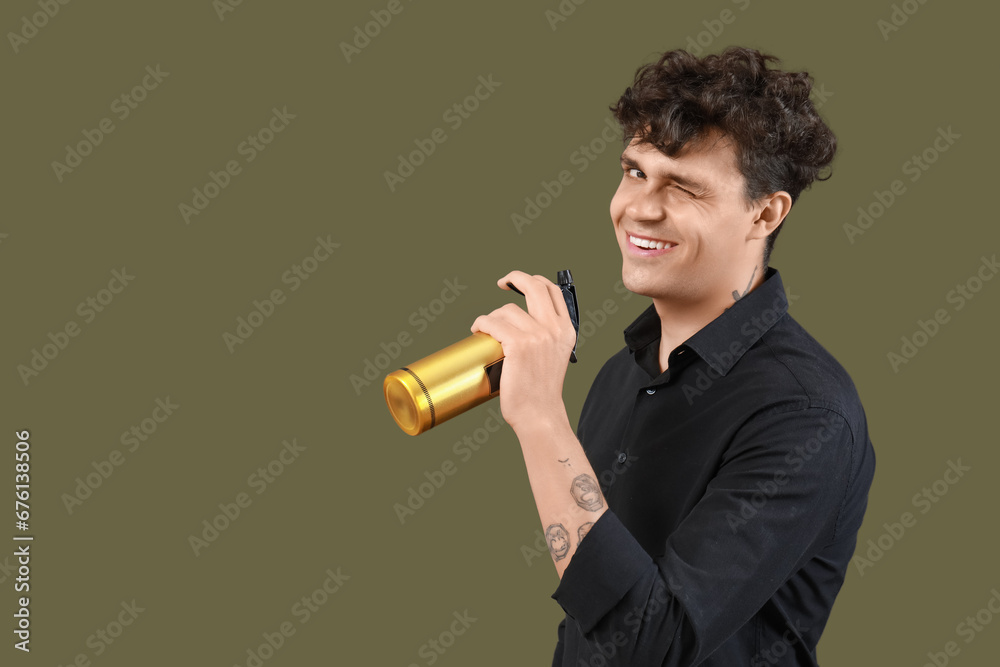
736 482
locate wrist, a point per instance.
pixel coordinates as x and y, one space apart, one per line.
543 424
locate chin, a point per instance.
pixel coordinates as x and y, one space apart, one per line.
643 284
659 286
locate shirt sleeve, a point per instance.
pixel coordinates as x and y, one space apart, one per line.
781 493
557 657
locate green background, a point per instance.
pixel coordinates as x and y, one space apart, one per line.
323 176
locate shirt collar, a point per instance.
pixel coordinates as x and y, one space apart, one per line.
724 340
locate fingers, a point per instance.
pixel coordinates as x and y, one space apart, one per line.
543 297
504 322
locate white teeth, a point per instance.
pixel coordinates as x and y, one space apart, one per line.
647 243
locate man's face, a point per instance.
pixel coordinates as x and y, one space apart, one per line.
692 206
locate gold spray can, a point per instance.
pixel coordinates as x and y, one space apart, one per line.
459 377
444 384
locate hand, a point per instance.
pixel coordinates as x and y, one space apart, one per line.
536 346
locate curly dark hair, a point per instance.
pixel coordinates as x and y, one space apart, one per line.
781 143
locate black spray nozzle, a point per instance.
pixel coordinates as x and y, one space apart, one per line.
565 281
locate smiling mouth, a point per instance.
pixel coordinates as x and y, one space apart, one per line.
649 244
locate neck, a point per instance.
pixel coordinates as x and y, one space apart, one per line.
680 319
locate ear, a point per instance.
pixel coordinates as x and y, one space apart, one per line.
772 211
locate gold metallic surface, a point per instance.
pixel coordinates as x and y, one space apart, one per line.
454 379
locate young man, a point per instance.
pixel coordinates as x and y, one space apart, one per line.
732 450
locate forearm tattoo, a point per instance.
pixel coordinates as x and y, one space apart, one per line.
586 493
558 540
582 531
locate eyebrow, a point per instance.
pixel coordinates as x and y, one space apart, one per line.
697 186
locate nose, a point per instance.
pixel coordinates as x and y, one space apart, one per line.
644 205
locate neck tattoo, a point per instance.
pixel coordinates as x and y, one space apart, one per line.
736 295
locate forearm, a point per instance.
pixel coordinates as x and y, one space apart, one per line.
564 485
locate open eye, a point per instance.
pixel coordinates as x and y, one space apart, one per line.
635 173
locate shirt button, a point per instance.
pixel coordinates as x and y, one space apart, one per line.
650 391
622 456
